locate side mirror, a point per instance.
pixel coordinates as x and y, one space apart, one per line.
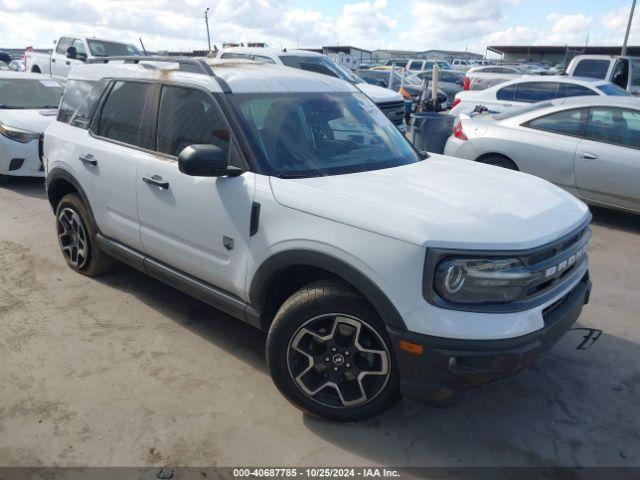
72 53
206 161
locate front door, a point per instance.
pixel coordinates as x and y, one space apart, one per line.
198 225
608 160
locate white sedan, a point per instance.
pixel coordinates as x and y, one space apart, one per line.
28 104
589 146
529 89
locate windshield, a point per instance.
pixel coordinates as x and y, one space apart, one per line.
103 48
613 90
322 65
29 93
297 135
445 65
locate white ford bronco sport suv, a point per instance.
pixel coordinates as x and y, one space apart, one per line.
288 200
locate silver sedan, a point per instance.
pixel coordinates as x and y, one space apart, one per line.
589 146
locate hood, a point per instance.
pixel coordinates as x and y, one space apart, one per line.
379 94
441 202
32 120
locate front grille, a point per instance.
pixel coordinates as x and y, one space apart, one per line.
553 265
394 111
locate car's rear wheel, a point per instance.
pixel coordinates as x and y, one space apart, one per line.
77 238
499 161
329 354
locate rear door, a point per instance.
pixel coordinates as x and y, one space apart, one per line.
59 58
548 147
608 159
198 225
116 144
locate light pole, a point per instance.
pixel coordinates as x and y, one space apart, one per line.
206 21
626 36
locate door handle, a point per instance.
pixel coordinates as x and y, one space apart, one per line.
67 62
53 60
156 181
589 156
88 160
507 105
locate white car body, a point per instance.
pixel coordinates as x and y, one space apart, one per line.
599 172
34 121
621 71
467 100
58 64
377 228
483 77
461 65
387 100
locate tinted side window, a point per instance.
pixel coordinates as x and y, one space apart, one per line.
122 112
79 102
234 55
63 44
415 65
614 125
187 117
572 90
592 68
536 91
569 122
507 93
263 59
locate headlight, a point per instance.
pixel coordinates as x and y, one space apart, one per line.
18 134
479 280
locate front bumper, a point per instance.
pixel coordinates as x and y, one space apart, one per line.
448 368
20 159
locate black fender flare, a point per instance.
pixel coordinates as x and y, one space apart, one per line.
291 258
59 173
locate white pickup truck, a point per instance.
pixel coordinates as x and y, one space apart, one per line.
73 50
621 71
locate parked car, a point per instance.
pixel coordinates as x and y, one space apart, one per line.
621 71
73 50
17 65
528 89
450 82
461 65
391 103
28 104
589 146
422 65
480 78
288 200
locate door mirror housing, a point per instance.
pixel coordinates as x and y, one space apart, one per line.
206 161
72 53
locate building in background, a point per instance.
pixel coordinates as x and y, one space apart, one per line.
347 56
553 54
382 56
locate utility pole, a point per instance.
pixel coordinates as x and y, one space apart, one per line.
626 36
206 21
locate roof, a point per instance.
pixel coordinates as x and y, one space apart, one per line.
344 48
561 49
271 51
552 78
242 76
597 100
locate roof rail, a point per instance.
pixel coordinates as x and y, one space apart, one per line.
186 64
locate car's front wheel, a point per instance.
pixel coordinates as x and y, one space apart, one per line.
329 353
77 238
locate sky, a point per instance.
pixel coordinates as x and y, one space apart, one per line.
392 24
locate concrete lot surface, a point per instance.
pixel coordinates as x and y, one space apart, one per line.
124 371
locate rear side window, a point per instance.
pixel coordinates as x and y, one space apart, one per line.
616 126
573 90
507 93
568 122
79 102
122 112
592 68
234 55
263 59
531 92
189 117
415 65
613 90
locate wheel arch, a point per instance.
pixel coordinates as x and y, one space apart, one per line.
484 156
59 183
285 272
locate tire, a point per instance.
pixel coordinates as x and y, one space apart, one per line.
499 161
77 238
316 343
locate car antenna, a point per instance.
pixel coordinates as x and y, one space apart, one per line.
144 50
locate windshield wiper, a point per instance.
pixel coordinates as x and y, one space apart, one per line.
292 175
